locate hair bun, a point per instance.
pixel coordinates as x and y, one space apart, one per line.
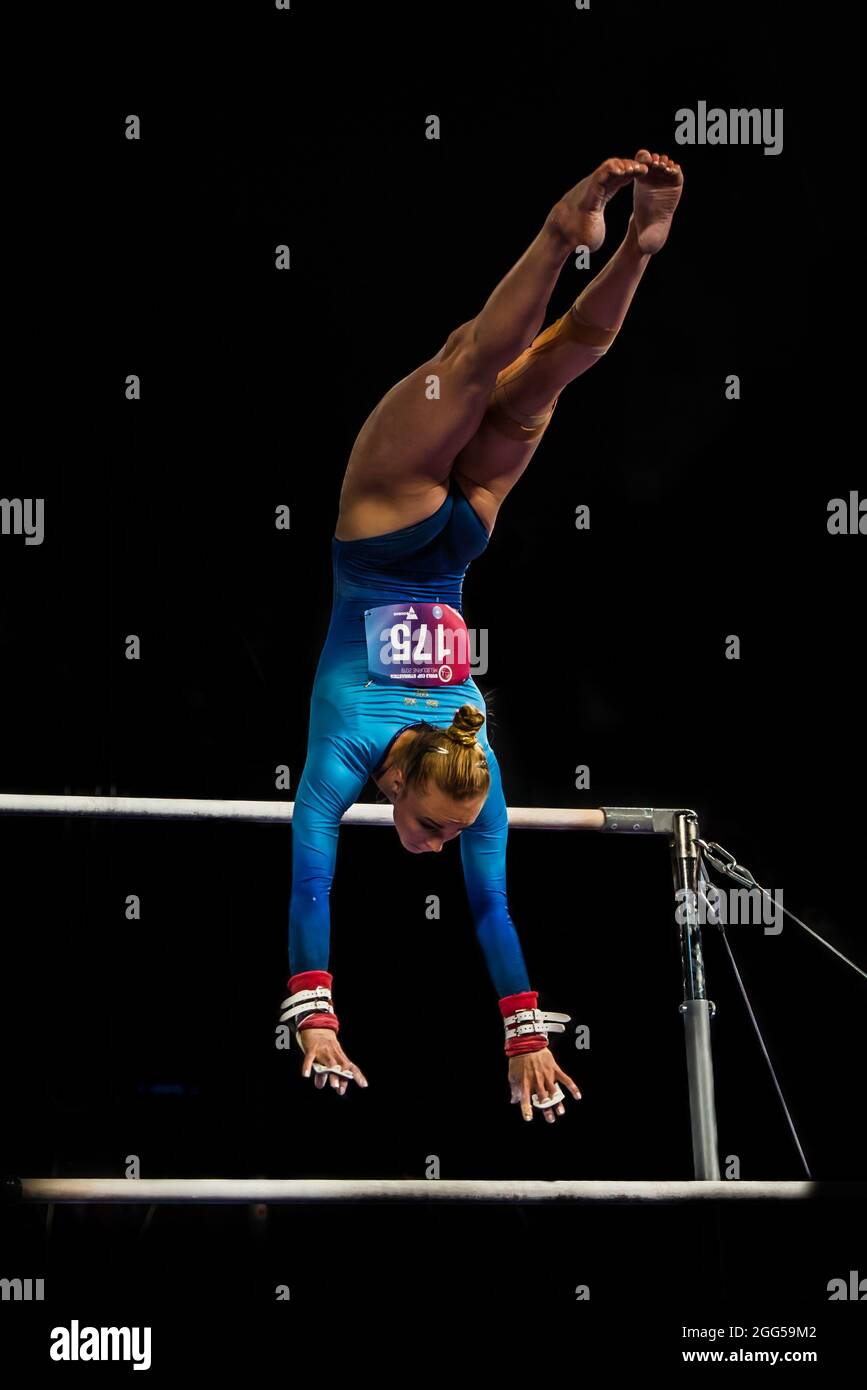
467 721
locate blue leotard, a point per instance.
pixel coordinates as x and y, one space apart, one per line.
353 721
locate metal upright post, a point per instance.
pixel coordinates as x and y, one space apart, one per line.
696 1008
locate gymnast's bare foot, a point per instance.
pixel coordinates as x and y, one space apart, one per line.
579 215
654 200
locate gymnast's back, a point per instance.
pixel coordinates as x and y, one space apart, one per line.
422 563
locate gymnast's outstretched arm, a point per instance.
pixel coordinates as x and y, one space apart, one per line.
483 854
334 774
330 783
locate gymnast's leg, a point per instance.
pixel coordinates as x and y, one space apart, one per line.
406 448
522 402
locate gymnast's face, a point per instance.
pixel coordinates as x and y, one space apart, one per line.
425 820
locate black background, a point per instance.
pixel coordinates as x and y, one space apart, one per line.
708 518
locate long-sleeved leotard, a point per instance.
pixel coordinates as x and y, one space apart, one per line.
354 720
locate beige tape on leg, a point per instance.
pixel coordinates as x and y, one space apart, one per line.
509 421
572 327
576 327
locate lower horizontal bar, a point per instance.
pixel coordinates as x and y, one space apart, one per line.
261 812
377 1190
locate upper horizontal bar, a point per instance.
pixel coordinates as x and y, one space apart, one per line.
628 819
377 1190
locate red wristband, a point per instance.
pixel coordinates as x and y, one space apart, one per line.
314 979
526 1042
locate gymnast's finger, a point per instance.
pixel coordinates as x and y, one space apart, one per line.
526 1103
567 1082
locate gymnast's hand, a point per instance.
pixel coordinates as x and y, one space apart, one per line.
537 1073
321 1045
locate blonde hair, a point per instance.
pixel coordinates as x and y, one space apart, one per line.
451 758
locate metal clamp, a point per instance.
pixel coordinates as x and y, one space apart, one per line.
681 1008
725 863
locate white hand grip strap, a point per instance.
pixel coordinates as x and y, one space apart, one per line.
553 1100
534 1021
306 1001
292 1014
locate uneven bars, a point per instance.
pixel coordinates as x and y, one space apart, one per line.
379 1190
628 819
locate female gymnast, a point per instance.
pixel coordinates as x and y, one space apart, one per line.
425 480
